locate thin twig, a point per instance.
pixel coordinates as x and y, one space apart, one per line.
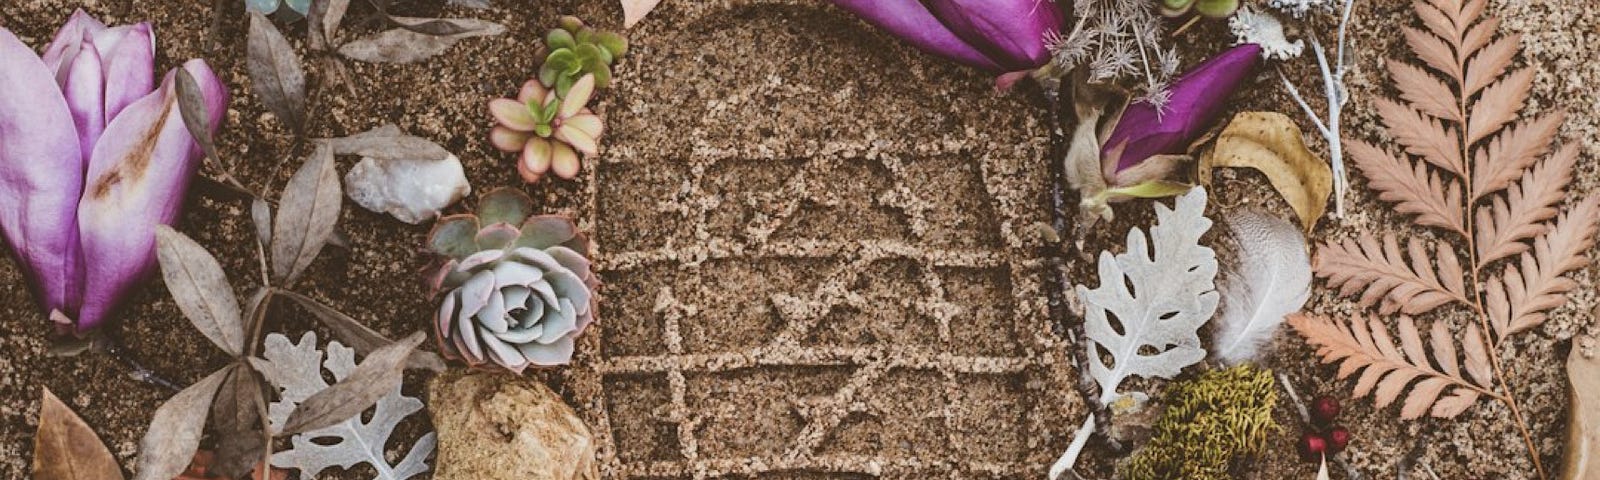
1337 95
114 348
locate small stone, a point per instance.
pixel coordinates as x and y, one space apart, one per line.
412 190
499 426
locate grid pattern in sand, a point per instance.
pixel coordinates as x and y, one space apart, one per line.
816 279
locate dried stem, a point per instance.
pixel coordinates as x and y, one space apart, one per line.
1334 90
1350 471
114 348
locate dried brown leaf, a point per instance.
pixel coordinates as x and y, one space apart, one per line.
174 433
275 73
358 336
196 117
1414 190
306 216
1520 214
1583 411
406 45
1379 271
65 448
1363 344
200 289
235 414
377 375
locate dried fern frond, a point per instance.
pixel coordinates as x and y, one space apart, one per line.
1459 124
1380 272
1363 344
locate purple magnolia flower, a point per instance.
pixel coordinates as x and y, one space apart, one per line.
1195 100
995 35
93 155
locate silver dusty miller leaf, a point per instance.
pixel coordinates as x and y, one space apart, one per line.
1159 292
296 369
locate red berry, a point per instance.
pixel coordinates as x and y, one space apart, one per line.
1312 446
1324 409
1337 438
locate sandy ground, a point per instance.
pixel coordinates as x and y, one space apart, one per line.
816 243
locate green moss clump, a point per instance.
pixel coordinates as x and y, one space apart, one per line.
1209 422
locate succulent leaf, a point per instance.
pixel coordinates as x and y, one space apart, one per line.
505 205
453 236
559 39
496 236
613 43
545 231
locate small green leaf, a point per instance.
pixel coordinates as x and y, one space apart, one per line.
559 39
585 36
505 205
547 74
602 75
571 23
543 129
453 236
564 83
589 54
613 43
1150 189
1216 8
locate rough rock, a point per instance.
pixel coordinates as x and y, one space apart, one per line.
412 190
501 426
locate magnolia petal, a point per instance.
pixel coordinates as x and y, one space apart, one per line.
913 22
137 178
512 114
1012 32
42 162
579 140
129 55
558 352
533 92
1196 99
586 122
84 88
507 140
564 161
69 38
577 97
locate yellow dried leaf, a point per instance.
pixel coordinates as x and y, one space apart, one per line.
1271 143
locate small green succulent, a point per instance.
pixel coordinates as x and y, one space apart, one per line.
1209 8
576 50
1210 422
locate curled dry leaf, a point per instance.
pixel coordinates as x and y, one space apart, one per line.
175 430
201 289
405 45
378 374
306 216
204 467
1583 412
361 338
275 73
1271 143
634 11
65 448
192 106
